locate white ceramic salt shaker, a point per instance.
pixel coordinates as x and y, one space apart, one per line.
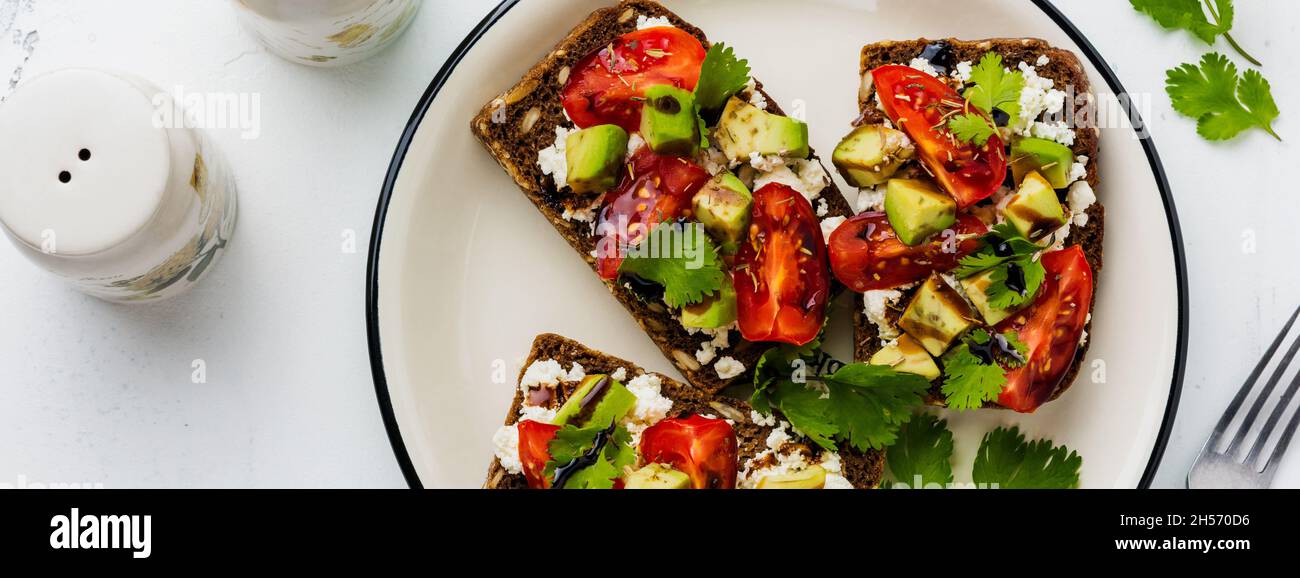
99 188
326 32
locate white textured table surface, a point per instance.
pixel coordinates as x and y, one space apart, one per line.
103 394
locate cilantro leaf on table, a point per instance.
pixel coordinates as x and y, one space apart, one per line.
721 75
572 442
995 86
1006 459
859 403
1222 103
685 281
923 453
1190 15
971 127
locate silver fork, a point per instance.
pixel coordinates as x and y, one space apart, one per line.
1231 468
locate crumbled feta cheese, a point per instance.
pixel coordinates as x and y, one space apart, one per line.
1056 131
778 438
543 372
1080 197
835 479
728 367
587 215
963 71
651 406
634 143
536 413
823 209
829 224
923 65
1037 97
619 375
1043 60
871 199
576 373
803 175
643 22
552 161
706 354
756 98
1078 170
505 444
788 462
766 163
760 419
874 305
713 160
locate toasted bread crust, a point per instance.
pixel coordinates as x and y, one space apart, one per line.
1064 69
534 104
863 470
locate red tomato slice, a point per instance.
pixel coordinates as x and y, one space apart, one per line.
781 278
535 450
1051 327
605 86
655 189
916 102
703 448
866 253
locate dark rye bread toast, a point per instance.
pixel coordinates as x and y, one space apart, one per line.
1064 69
863 470
521 122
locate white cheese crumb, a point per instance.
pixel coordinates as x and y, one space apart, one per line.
643 22
923 65
1043 60
803 175
1037 97
963 71
505 444
619 375
728 367
766 163
543 372
1056 131
651 406
1080 197
552 161
713 160
829 224
823 209
760 419
706 354
835 479
536 413
756 98
874 305
871 199
634 143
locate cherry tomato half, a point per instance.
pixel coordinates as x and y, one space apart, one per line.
866 254
605 87
919 104
655 189
703 448
1051 328
781 277
535 450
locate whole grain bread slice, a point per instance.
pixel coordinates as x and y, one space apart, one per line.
862 469
520 122
1065 70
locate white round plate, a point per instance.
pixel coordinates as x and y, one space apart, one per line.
464 271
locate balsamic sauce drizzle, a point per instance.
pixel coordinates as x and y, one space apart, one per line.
566 471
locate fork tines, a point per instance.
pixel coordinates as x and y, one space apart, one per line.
1260 396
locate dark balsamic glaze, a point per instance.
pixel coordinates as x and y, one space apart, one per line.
1003 249
1000 118
940 56
1016 279
646 291
988 351
668 105
566 471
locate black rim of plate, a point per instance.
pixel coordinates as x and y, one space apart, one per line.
395 167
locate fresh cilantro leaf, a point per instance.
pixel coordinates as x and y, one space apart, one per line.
1223 104
971 127
1190 15
572 442
987 257
721 76
1001 296
923 453
995 86
859 403
1006 459
975 370
682 259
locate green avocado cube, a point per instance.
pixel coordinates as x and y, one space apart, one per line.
745 129
917 210
723 207
977 288
1050 159
598 400
669 123
1035 210
907 355
594 158
936 316
714 311
871 154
